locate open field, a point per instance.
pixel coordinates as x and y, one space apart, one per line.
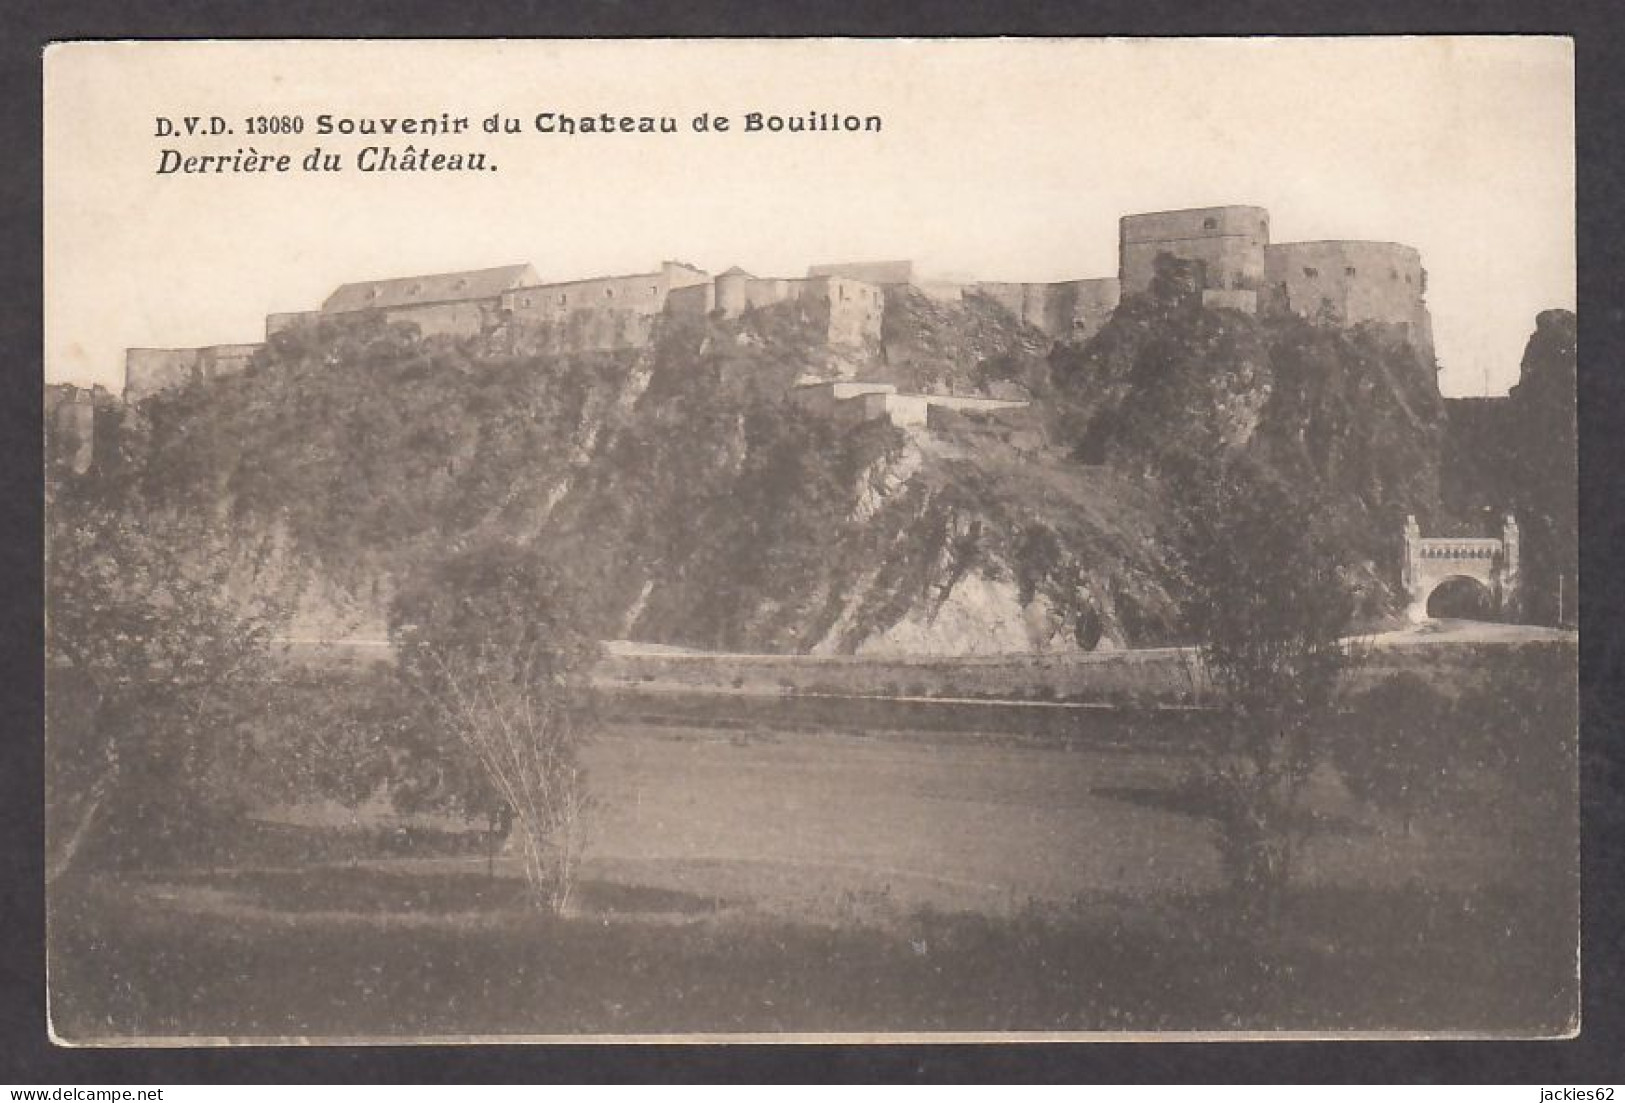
796 821
747 879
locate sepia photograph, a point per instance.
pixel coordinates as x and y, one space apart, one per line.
810 540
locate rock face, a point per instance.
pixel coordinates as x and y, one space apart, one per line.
1350 416
696 505
1519 454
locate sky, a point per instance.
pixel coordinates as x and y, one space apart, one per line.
998 159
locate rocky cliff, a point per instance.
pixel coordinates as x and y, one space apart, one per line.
698 506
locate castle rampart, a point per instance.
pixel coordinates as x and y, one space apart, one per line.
850 310
1234 267
1072 310
601 313
147 371
1352 283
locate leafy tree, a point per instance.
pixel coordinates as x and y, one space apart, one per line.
155 630
492 639
1263 599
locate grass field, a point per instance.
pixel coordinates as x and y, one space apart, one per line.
759 881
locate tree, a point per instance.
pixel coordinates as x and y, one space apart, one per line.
1262 596
153 646
492 639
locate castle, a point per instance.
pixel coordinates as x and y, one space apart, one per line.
1230 259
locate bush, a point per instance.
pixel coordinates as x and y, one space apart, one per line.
492 639
1261 595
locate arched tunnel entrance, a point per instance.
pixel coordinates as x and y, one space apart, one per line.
1461 598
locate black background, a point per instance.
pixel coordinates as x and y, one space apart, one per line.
1597 1056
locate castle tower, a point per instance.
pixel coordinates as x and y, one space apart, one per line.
731 291
1226 245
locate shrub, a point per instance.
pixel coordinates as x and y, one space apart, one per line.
492 639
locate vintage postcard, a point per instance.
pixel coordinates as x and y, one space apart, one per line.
810 539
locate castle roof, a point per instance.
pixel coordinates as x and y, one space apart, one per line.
443 287
737 271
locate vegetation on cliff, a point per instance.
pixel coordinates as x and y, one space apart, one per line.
1545 490
692 501
1518 454
1350 418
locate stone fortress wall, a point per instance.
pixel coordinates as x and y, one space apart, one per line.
599 314
1235 267
1346 282
1351 283
848 309
147 371
1072 310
